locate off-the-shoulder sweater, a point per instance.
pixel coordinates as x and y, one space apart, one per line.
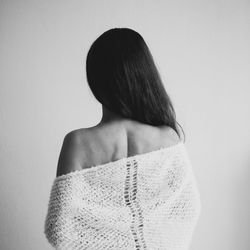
145 201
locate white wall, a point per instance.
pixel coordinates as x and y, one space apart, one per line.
202 51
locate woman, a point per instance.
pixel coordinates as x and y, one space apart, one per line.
126 183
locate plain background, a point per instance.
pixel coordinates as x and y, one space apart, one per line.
202 51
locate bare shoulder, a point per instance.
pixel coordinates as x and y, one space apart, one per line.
146 137
79 147
71 152
169 135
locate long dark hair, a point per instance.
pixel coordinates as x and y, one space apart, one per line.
123 77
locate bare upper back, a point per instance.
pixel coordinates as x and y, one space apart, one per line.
112 141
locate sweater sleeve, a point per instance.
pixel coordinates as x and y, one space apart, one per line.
60 206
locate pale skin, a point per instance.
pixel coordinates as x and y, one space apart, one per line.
113 138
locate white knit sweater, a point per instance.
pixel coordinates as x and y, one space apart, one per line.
146 201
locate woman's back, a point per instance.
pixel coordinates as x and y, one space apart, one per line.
108 142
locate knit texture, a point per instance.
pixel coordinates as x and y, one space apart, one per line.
146 201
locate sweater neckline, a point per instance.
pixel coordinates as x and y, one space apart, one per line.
127 158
